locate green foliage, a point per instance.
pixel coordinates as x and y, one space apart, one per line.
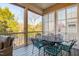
7 21
33 30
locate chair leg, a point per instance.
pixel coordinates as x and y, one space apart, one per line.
32 50
69 53
39 53
44 51
61 53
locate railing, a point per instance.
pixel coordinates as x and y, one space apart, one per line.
32 35
19 40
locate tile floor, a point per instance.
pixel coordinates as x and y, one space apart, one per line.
27 51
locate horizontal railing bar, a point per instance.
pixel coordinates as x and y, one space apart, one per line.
19 32
13 33
34 31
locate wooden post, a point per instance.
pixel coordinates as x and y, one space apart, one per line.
26 25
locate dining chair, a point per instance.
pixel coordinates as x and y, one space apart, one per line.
38 44
67 47
53 50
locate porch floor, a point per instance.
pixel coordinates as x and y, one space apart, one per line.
27 51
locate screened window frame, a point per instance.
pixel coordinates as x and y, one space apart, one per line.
49 21
38 17
66 19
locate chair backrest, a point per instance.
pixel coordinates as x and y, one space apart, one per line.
7 47
34 41
1 45
72 43
44 37
10 39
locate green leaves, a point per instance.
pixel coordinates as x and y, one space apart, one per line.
7 21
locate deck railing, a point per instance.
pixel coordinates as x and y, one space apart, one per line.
32 35
19 39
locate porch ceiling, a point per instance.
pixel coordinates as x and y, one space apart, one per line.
43 5
40 5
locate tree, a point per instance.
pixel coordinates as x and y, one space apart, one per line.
7 21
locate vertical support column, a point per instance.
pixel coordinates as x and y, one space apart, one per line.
26 25
77 21
55 23
66 28
43 22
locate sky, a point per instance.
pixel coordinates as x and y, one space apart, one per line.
17 11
